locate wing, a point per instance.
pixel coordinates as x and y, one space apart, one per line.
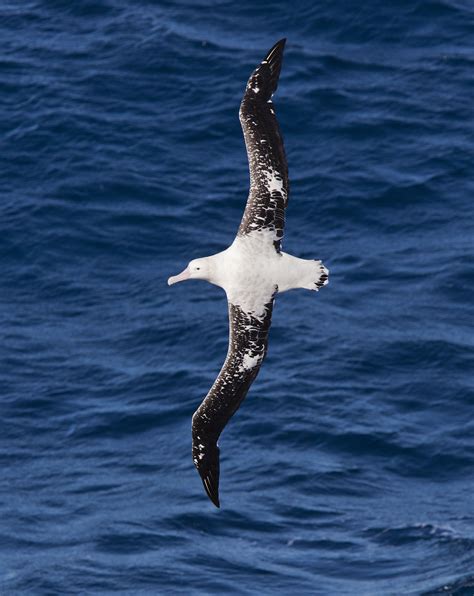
268 197
248 336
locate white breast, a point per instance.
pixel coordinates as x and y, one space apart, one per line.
248 271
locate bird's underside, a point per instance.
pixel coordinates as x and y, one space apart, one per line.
252 270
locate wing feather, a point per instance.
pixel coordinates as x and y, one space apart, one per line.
248 338
269 187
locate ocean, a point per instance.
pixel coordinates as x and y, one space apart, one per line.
349 468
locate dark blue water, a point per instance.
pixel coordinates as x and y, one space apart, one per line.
350 467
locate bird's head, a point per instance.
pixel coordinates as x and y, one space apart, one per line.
197 269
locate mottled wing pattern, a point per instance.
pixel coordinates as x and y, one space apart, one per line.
248 336
268 197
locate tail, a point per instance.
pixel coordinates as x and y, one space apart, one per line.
264 79
323 276
315 276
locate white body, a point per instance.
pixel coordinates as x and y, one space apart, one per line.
251 270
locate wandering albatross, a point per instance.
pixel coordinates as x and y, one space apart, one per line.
252 270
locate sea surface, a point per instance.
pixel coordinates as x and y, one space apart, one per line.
349 469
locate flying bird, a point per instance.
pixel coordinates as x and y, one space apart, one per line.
252 270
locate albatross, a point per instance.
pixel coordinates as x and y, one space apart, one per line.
252 270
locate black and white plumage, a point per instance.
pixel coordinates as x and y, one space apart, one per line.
251 271
268 195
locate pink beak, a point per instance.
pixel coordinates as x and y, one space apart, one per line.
181 277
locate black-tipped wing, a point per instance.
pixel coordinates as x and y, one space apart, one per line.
248 336
268 197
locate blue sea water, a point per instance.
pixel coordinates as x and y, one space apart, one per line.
349 469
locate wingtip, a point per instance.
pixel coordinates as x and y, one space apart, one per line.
212 491
211 486
206 460
263 82
280 43
276 51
